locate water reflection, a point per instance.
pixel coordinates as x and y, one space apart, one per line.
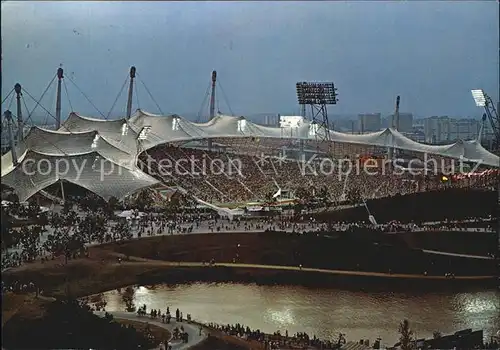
323 312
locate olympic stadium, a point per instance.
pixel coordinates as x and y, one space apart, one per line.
120 158
124 142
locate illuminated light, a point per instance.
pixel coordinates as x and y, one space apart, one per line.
95 141
144 133
316 93
313 129
444 178
175 124
124 129
242 124
291 121
94 164
479 97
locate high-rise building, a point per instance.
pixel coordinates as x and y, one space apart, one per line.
405 122
445 129
369 122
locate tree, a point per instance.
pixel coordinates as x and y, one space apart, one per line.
9 236
112 205
92 228
63 242
33 210
122 231
406 336
29 238
128 299
143 200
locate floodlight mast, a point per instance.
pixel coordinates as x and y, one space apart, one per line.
60 76
130 91
318 96
20 122
483 100
8 116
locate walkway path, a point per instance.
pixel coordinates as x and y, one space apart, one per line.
459 255
309 269
192 330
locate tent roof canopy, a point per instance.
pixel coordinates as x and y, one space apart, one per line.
120 141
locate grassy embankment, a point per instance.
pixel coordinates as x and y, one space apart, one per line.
102 271
99 273
159 334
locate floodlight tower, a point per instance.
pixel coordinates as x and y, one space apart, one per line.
20 122
303 111
318 96
60 76
130 92
483 100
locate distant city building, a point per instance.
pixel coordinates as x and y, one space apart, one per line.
416 135
369 122
445 129
405 122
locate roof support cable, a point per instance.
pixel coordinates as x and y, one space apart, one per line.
225 97
53 144
217 103
137 96
150 95
84 95
204 103
10 102
48 141
37 102
67 95
117 97
27 110
51 97
45 109
6 97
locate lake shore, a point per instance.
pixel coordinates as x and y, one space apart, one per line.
107 268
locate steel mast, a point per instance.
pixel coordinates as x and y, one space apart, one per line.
130 92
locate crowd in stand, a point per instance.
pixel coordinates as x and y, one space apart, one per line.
254 177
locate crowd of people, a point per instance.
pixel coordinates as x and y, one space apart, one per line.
19 287
186 221
278 340
256 177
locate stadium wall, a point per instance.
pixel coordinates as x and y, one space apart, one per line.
449 204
